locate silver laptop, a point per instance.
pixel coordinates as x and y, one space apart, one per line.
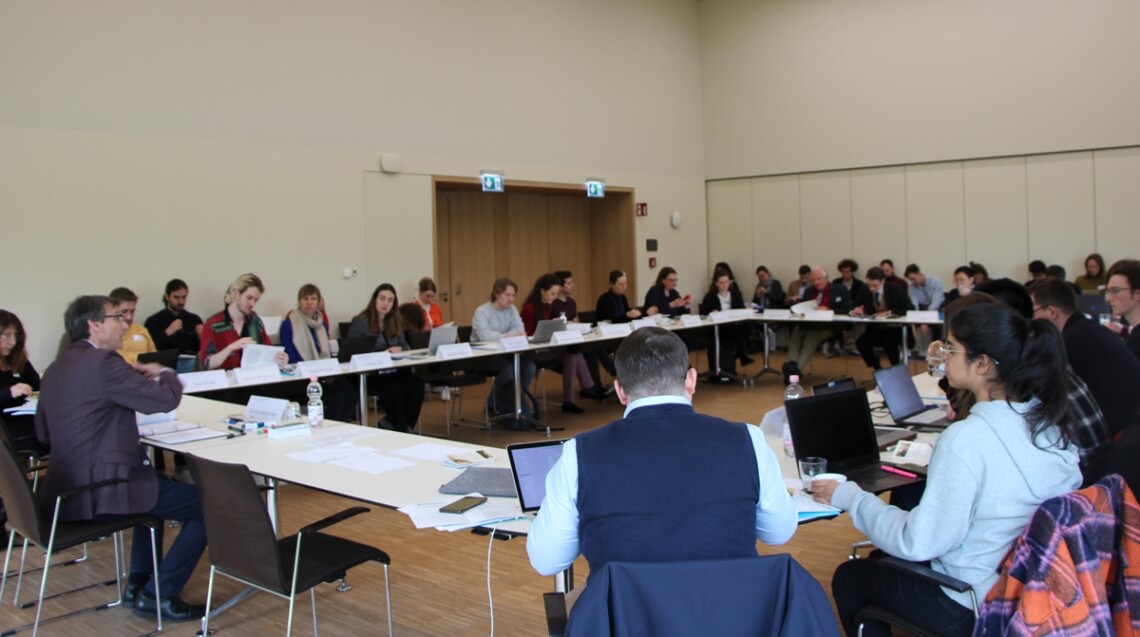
530 462
903 401
546 329
439 336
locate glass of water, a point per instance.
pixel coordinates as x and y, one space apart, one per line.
810 467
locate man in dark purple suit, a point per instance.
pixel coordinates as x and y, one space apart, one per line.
88 401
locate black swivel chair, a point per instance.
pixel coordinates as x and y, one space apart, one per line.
45 530
244 546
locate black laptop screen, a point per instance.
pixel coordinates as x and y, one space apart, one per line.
835 426
530 462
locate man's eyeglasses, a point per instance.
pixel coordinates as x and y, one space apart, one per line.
1038 308
117 317
1116 290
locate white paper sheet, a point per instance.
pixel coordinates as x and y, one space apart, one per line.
372 463
330 453
255 355
430 451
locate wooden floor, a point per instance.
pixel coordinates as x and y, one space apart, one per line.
439 580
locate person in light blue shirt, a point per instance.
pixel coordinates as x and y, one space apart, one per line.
925 290
664 483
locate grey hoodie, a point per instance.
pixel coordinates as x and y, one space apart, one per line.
986 479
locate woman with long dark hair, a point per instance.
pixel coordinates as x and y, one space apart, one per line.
18 378
571 365
989 473
401 392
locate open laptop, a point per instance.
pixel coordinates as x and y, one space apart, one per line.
530 462
833 385
350 347
903 401
838 427
439 336
546 329
164 357
1092 305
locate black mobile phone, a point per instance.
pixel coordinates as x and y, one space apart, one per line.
463 504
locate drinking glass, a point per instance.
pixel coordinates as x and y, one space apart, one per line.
810 467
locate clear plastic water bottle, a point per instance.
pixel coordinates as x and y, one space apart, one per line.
793 391
316 405
562 315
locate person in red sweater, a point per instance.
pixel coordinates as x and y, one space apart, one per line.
537 308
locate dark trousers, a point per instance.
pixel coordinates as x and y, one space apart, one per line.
730 347
888 338
858 583
176 501
339 397
401 397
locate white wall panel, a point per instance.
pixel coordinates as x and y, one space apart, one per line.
825 218
996 217
878 216
730 227
776 225
935 218
1061 209
1117 204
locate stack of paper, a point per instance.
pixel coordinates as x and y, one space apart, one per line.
427 514
809 509
26 409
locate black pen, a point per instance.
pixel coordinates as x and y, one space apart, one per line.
235 435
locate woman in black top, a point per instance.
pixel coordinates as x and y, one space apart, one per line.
402 392
663 297
18 378
613 306
722 295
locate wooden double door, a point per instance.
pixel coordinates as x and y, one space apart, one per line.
523 234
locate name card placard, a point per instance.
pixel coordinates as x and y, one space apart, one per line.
256 375
720 317
741 313
204 381
514 343
777 314
820 315
264 409
371 360
566 337
616 329
923 315
456 350
578 327
691 320
643 322
321 367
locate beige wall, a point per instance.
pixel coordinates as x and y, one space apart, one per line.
142 140
793 86
999 212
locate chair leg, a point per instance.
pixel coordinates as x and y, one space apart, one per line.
388 599
209 601
313 603
43 582
157 591
7 562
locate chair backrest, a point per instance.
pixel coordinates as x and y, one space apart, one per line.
769 595
242 541
418 340
587 316
19 503
342 328
465 333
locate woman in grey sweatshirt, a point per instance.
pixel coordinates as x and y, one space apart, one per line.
988 475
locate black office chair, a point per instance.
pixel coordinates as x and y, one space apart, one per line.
45 530
876 613
244 546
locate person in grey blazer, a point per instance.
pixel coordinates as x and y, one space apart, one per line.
86 412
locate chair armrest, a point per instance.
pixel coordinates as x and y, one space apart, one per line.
336 518
923 571
90 487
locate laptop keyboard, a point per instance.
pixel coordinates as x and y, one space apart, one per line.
928 417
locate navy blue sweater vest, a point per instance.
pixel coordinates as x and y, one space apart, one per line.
666 484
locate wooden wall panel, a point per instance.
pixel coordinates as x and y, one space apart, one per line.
1117 204
473 230
568 238
776 225
526 240
611 242
878 217
935 218
825 219
729 205
1061 209
996 216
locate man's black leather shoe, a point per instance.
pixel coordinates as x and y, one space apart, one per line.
131 593
173 608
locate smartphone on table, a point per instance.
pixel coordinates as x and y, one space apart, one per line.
463 504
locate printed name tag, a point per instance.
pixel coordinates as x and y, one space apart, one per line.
322 367
923 315
690 320
720 317
824 315
514 343
777 314
455 350
204 381
263 409
566 337
259 374
616 329
371 360
643 322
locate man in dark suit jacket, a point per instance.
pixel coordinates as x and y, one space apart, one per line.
807 336
87 407
880 297
1095 353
